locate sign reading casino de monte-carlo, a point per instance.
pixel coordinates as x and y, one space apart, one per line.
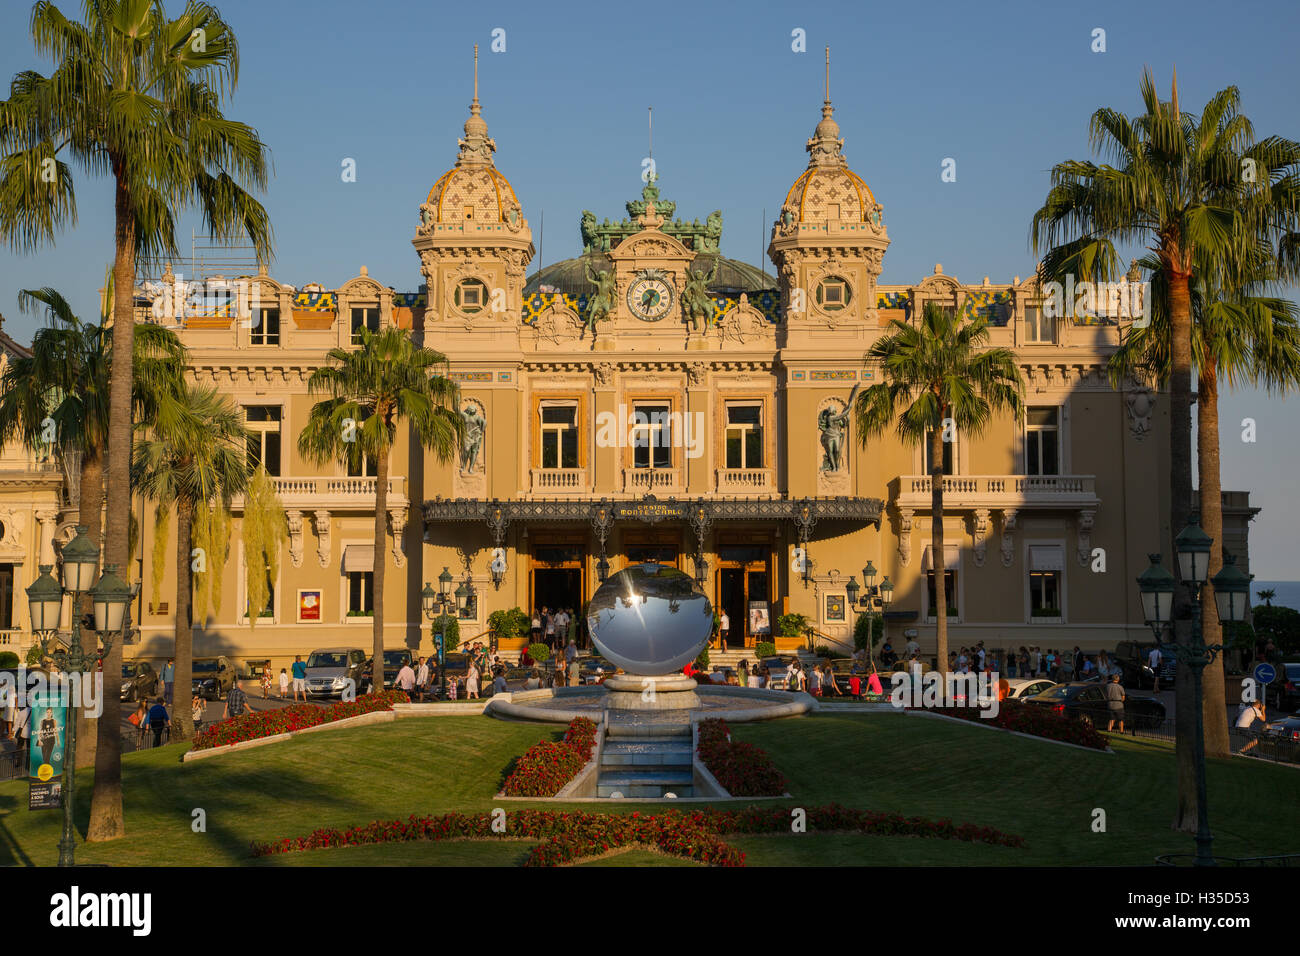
650 509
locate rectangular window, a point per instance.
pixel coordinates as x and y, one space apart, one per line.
6 596
269 609
950 585
266 327
1042 441
1038 327
361 593
949 455
363 468
1045 593
652 436
745 436
559 436
367 318
263 422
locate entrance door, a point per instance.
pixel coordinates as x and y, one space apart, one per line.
731 598
557 588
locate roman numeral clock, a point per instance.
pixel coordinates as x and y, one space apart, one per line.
651 295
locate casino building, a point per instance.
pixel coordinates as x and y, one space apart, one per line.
654 400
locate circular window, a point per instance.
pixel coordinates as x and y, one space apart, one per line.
471 296
833 294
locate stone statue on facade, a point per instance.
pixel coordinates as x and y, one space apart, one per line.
475 427
601 303
695 297
832 427
588 230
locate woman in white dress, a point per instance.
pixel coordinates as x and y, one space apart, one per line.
471 682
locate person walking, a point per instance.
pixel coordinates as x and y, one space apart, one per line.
422 677
1252 720
724 629
1154 660
157 720
1115 703
406 678
236 702
471 681
266 682
136 720
299 679
169 679
571 655
198 710
284 683
536 627
550 630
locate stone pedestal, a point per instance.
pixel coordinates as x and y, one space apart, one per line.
634 692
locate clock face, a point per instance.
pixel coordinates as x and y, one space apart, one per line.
650 297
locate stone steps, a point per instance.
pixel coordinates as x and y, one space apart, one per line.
638 764
657 782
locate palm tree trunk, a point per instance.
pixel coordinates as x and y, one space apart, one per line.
183 630
90 507
938 565
1207 448
377 578
106 822
1180 504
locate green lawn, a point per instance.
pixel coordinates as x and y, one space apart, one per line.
1044 792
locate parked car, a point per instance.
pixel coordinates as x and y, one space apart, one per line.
1087 700
393 661
593 670
776 669
1135 670
1023 687
1281 739
330 668
212 677
1284 692
139 681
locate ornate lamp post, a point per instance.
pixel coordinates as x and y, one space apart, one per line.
435 605
851 593
1157 586
886 598
109 598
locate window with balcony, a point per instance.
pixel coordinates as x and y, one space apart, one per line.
263 422
744 439
652 436
1043 440
949 455
265 327
364 318
361 594
559 434
1039 329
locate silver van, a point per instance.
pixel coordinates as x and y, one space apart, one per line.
329 670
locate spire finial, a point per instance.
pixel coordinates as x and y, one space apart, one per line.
828 76
474 105
650 121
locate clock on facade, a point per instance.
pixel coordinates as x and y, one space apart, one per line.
650 297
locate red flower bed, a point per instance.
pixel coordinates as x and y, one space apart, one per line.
745 770
268 723
695 835
1034 720
546 767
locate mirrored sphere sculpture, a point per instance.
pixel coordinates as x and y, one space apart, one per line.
650 619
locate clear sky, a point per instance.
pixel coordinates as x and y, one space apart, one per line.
1005 89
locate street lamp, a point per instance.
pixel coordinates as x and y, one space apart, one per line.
1157 585
869 577
435 605
602 570
109 598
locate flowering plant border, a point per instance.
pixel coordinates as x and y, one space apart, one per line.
546 767
1032 720
743 769
567 837
268 723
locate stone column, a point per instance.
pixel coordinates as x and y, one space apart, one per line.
45 555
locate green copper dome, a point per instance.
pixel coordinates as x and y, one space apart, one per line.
570 275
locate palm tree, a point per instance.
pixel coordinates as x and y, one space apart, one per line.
197 453
137 96
1238 335
1178 184
937 377
60 392
1267 594
370 390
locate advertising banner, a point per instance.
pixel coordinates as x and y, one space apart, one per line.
49 735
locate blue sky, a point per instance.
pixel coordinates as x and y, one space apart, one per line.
1005 89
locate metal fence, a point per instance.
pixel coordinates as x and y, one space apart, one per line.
13 762
1262 745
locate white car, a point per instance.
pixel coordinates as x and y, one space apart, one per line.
1023 687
